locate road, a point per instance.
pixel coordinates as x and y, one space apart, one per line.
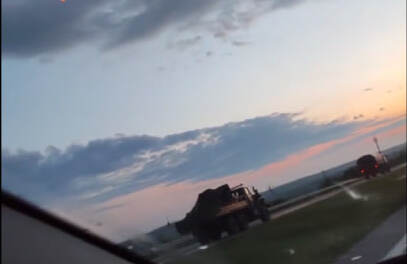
385 241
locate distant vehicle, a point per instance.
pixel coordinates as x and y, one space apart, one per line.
223 209
369 166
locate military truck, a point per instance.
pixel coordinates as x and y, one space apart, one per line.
223 209
369 166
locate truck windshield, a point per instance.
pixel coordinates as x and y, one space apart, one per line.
240 192
135 120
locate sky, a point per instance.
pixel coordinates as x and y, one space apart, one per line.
106 104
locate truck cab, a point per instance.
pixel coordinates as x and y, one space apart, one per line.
242 193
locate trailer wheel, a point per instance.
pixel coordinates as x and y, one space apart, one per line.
232 227
264 214
201 236
242 222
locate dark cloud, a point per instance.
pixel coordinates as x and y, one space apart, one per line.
157 15
56 172
31 28
284 3
46 60
106 168
209 53
382 109
235 17
38 27
368 89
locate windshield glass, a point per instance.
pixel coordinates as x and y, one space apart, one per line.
134 119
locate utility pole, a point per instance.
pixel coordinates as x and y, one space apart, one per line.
376 141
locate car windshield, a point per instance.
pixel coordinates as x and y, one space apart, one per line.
135 119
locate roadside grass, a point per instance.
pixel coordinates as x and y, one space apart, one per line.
317 234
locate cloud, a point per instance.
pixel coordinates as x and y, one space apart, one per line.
107 208
63 173
382 109
107 168
39 27
31 28
367 89
161 68
285 3
186 43
356 117
46 60
240 43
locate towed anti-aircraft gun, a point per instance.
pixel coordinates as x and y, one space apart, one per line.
223 209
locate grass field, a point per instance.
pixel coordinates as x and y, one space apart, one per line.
316 234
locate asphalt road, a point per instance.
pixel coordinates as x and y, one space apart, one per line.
384 242
380 243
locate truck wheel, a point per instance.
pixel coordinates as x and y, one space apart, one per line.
232 226
264 214
242 222
201 236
